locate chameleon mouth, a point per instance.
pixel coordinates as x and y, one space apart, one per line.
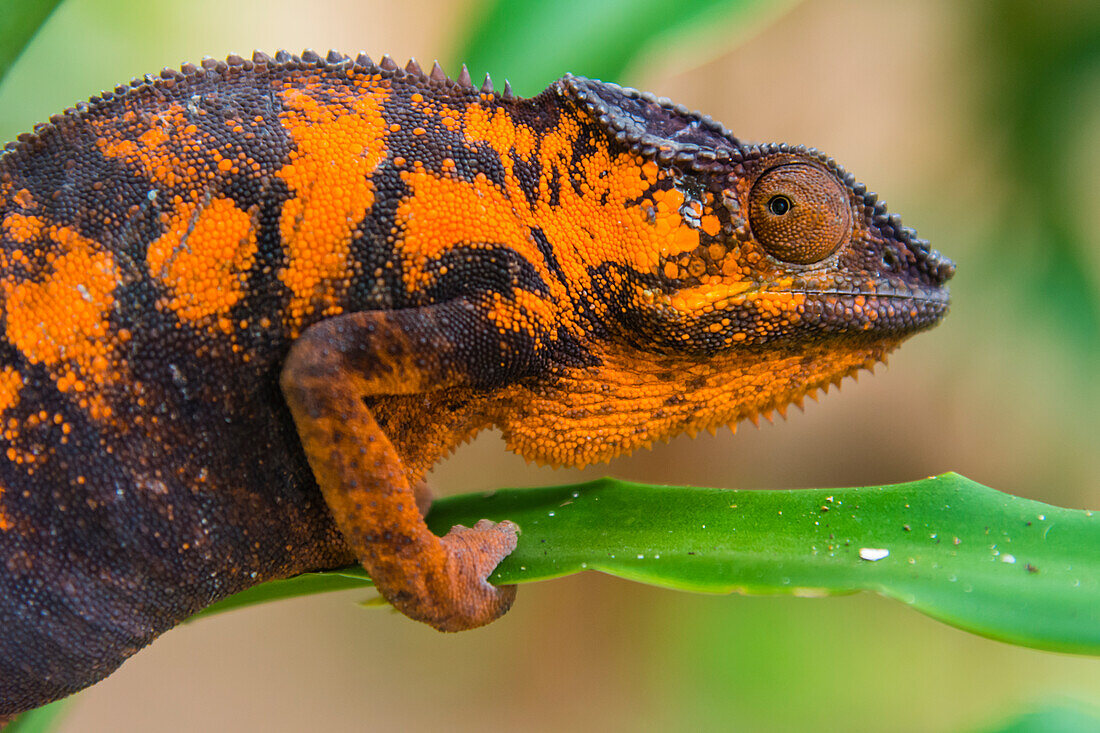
886 311
936 295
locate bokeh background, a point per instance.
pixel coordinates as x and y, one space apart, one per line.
978 121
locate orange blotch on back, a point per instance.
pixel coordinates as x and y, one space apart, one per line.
11 382
170 150
203 258
442 213
340 141
61 320
501 132
22 228
595 218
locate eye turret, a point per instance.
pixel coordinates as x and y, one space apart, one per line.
799 213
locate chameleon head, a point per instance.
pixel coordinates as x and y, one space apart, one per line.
802 257
780 275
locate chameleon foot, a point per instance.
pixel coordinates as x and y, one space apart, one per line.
472 554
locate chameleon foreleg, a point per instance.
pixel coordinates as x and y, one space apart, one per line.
329 371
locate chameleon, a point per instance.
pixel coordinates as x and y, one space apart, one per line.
247 304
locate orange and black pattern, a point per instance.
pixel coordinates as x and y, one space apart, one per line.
590 270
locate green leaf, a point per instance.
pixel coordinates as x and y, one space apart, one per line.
1063 718
997 565
19 21
300 585
535 43
40 720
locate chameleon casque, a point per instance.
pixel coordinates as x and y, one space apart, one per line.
247 305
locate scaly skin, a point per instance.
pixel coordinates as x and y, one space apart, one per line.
246 307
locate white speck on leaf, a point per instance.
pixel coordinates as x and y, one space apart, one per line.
873 554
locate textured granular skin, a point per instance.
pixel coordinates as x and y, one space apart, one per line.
246 306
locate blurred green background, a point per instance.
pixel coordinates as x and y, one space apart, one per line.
979 122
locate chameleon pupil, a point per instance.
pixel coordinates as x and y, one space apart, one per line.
779 205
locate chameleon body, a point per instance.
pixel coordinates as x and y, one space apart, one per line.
245 306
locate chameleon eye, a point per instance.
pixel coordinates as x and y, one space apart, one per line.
799 213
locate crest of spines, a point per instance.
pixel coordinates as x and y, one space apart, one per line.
387 68
683 155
